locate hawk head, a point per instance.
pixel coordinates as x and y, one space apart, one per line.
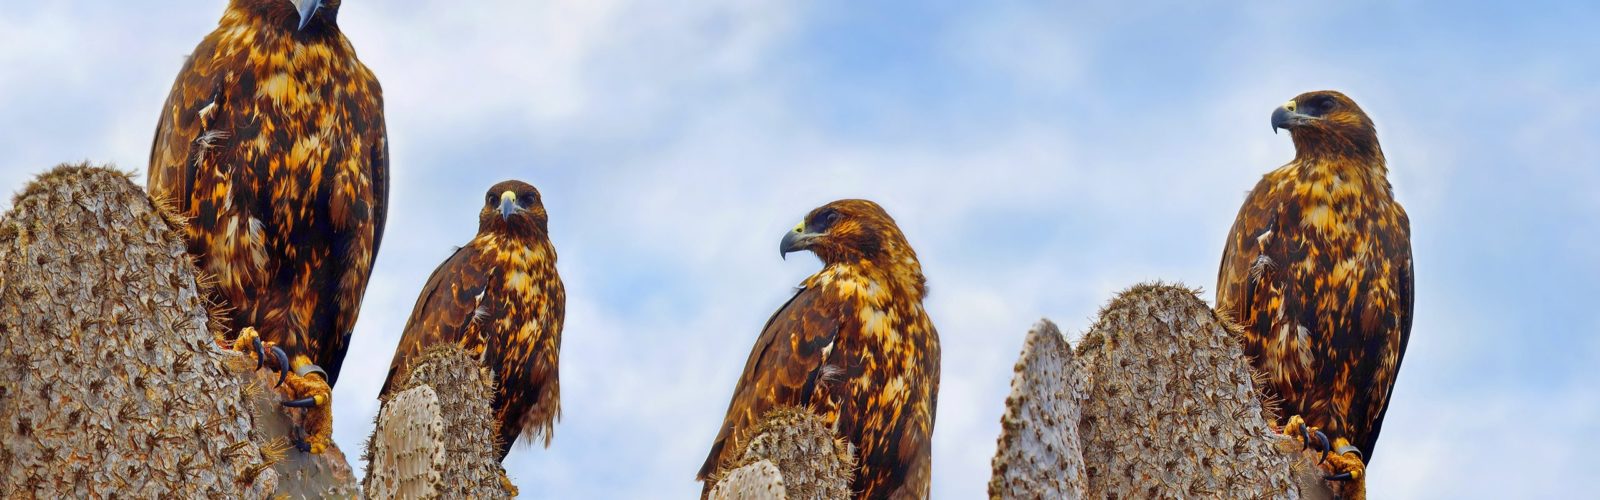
847 231
513 207
1326 122
298 14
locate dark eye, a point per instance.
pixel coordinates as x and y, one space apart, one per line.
1324 104
527 200
823 220
488 199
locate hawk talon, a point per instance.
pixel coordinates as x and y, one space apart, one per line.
261 353
1342 476
1325 447
283 365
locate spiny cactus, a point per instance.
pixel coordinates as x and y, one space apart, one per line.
1173 409
813 463
759 480
1168 408
1039 454
409 443
300 475
110 381
467 464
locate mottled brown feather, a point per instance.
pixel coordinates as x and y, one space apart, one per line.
500 298
855 346
272 142
1318 271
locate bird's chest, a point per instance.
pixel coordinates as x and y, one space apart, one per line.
301 123
1330 246
1323 222
519 299
294 104
875 370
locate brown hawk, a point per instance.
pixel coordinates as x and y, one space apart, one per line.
853 345
1317 271
499 297
272 143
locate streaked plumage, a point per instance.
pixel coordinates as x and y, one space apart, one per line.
853 345
499 297
1318 272
272 142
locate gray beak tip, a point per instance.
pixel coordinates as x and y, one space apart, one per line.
507 209
307 9
792 242
1282 119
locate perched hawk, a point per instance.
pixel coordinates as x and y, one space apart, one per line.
1318 271
500 298
272 143
853 345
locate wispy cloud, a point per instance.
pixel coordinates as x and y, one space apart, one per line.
1039 158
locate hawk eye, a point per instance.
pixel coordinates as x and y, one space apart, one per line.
488 199
1323 105
823 220
526 200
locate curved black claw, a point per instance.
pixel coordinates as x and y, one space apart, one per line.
1342 476
261 355
283 365
1325 447
302 403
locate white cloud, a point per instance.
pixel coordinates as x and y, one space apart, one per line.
675 145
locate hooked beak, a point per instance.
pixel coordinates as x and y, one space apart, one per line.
795 240
508 205
1285 117
306 8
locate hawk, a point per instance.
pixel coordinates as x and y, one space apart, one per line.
853 345
272 144
499 297
1317 271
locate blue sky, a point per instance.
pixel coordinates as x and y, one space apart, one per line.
1040 157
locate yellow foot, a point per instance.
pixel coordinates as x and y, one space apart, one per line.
303 384
1339 459
506 482
249 341
307 388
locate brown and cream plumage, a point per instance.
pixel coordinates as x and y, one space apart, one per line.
853 345
272 143
499 297
1318 272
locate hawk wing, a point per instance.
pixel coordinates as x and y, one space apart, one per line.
172 167
1252 289
784 367
356 194
1384 314
445 311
